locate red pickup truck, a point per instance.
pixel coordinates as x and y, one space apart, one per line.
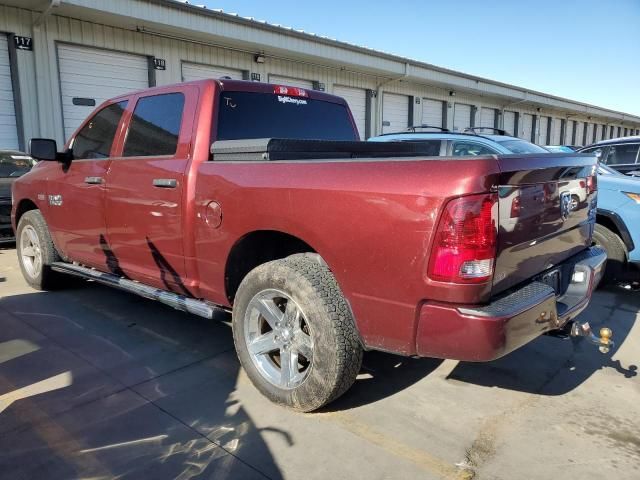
259 199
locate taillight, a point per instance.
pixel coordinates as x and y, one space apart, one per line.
290 91
592 184
464 247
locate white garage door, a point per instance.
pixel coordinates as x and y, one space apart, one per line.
542 131
432 113
195 71
589 134
579 130
598 132
89 75
571 126
556 131
8 129
395 112
461 117
487 117
527 127
509 122
357 100
291 82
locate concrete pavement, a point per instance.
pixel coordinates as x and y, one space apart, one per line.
96 383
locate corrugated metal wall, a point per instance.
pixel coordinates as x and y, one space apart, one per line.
41 92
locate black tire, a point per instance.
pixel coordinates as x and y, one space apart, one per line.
616 254
337 350
44 278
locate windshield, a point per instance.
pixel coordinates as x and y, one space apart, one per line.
515 145
559 149
15 164
246 115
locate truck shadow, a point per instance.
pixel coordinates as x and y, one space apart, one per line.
152 392
552 366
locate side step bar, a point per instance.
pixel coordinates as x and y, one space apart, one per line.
179 302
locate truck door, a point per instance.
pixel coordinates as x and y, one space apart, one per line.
145 186
76 189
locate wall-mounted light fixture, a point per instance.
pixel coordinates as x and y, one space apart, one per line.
452 93
259 58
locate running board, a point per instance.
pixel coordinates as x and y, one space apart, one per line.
179 302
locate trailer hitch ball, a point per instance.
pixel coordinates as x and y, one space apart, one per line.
605 339
604 342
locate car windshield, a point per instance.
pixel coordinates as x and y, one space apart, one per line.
559 149
14 164
515 145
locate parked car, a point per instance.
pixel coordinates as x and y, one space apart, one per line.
621 154
13 164
618 223
189 195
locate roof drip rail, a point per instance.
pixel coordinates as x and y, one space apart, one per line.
479 130
413 128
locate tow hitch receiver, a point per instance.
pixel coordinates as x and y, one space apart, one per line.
603 342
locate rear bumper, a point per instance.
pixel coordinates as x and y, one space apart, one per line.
483 333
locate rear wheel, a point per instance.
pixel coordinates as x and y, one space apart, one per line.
294 333
616 253
36 251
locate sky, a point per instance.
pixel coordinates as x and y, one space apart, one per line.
585 50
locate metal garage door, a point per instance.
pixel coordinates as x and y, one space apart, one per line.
357 100
543 131
579 130
556 131
509 122
291 82
569 135
487 117
8 129
432 112
195 71
89 76
395 112
526 128
590 138
598 132
461 116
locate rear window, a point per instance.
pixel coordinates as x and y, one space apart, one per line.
521 146
244 115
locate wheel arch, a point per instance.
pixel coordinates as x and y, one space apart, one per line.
614 222
24 205
258 247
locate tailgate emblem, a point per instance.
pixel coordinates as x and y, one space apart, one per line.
566 204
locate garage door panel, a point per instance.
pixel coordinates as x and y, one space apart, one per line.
487 117
542 131
195 71
509 122
527 127
461 116
432 112
9 130
87 72
356 98
395 112
291 82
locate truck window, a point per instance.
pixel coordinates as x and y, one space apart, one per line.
96 137
155 126
244 115
464 149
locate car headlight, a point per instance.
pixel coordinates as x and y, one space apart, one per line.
633 196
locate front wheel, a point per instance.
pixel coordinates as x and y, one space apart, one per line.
294 333
36 251
616 253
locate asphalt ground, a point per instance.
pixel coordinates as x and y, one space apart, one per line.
97 383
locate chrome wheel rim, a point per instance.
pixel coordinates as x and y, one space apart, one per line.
30 251
278 338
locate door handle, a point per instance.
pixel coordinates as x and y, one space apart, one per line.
93 180
165 182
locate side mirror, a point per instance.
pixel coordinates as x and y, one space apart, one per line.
598 154
43 149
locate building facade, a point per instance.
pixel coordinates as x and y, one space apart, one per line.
59 59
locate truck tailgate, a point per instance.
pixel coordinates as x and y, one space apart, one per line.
547 207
